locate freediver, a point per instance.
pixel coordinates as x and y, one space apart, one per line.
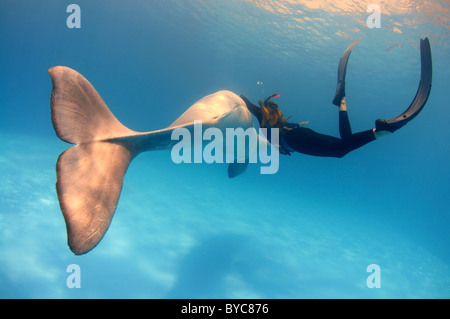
297 138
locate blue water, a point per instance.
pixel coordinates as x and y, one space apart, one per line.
187 231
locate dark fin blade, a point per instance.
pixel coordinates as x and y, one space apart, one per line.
342 71
422 94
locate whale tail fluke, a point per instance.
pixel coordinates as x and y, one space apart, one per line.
79 114
89 182
89 174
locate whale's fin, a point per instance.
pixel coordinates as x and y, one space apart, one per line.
236 169
89 182
79 114
90 174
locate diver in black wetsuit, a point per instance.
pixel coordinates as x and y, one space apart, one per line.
295 137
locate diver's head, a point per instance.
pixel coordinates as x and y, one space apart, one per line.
271 113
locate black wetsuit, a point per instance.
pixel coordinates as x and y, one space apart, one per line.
307 141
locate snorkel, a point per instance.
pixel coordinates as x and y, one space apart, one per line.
269 97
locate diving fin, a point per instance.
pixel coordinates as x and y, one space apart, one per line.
421 96
342 70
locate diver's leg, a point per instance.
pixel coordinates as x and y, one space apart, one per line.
345 129
355 141
307 141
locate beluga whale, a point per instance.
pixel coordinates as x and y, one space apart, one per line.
90 174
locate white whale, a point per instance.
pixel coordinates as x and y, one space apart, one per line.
90 174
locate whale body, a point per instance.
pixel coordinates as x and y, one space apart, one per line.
90 174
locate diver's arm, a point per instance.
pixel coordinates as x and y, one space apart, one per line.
255 110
